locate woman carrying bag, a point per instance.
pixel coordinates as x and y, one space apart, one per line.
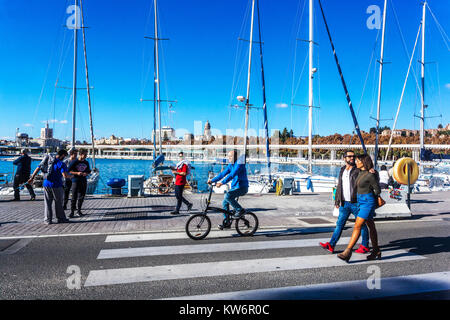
368 195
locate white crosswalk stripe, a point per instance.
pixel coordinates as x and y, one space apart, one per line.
208 248
148 274
221 268
212 235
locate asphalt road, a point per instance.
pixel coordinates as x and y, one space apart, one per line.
37 268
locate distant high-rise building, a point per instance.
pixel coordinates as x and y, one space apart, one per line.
46 133
167 133
46 139
207 131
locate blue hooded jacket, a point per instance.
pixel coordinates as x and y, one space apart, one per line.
235 171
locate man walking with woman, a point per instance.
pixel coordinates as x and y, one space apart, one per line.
346 202
368 191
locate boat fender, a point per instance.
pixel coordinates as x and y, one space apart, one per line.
279 187
401 173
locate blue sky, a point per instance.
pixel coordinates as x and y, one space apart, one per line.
203 65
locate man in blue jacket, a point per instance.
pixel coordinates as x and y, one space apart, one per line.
237 174
22 175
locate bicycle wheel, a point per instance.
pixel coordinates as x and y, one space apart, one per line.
247 225
198 226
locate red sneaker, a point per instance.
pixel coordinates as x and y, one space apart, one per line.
362 249
327 246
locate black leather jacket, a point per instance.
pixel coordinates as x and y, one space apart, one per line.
339 198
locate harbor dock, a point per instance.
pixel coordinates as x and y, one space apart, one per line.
305 212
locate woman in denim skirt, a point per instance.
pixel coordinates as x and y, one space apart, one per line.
368 190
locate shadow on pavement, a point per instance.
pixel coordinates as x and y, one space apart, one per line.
420 246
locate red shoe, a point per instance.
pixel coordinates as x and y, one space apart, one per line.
362 249
327 246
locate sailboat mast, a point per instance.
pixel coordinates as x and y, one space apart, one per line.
422 112
379 84
87 85
74 94
311 75
347 94
266 125
154 105
158 92
247 103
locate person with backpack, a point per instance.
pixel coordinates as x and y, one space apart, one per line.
54 170
80 169
181 171
22 175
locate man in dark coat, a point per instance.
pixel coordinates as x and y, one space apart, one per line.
22 175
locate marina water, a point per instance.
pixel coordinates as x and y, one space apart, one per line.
121 168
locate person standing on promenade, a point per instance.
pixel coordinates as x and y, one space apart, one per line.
73 153
346 202
80 169
384 177
22 175
180 171
54 169
368 190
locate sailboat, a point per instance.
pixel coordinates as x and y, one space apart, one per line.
161 178
303 179
94 177
433 181
256 184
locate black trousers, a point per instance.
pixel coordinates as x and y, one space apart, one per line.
67 188
180 198
78 192
18 180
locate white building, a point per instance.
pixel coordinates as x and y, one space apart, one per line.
46 133
46 139
167 133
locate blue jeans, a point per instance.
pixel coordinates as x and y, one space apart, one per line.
230 199
344 213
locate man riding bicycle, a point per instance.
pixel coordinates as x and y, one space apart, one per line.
236 172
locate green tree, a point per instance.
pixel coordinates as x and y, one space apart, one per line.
284 135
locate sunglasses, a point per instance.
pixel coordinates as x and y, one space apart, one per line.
350 157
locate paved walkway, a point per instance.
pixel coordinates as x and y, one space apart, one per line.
116 215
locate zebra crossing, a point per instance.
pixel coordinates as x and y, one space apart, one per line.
229 267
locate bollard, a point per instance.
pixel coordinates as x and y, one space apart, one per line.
408 197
